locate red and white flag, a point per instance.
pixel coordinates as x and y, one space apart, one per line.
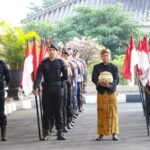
134 60
145 54
126 66
35 59
27 83
139 52
131 60
145 61
149 70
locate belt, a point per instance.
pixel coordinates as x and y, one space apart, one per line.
58 83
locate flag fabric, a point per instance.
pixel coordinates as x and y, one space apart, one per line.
145 62
134 60
149 70
42 51
145 54
131 60
35 59
139 52
27 83
126 67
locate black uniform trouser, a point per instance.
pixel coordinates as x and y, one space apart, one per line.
65 104
52 102
69 102
80 94
147 103
3 118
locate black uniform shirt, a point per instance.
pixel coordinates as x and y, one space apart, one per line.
52 72
101 68
4 74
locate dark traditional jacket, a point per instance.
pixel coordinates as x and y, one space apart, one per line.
101 68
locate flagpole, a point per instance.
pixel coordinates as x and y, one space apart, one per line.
38 118
41 112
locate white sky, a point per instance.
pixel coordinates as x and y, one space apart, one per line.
13 11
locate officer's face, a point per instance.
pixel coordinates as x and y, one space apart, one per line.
52 53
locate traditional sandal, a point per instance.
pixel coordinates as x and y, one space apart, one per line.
100 138
115 137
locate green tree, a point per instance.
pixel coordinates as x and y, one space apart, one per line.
13 42
119 61
2 51
110 25
44 29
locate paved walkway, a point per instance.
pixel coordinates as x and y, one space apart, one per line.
22 131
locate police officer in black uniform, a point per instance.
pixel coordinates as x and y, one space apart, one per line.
4 76
54 72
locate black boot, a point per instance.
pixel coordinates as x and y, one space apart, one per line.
60 136
45 135
3 134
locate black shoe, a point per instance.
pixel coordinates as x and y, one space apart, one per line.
45 138
60 136
115 137
65 129
73 121
69 126
4 139
45 135
72 124
100 138
75 116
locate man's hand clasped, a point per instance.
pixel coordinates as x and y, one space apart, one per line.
104 83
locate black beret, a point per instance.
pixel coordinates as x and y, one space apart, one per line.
53 45
67 51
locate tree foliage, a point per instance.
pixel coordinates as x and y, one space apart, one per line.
109 25
44 29
13 45
119 61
